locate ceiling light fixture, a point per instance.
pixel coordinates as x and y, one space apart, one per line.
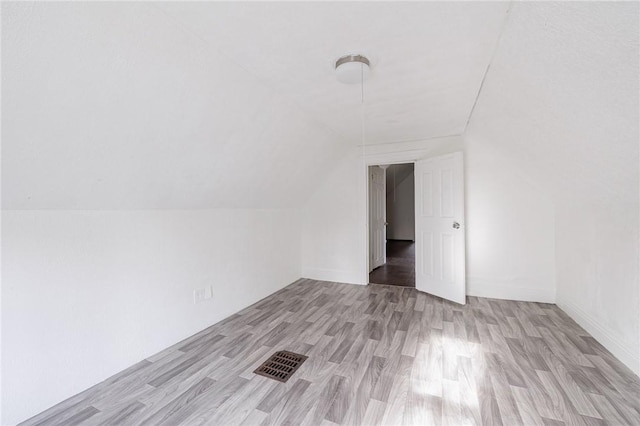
352 69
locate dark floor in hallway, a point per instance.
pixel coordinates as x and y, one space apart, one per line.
400 268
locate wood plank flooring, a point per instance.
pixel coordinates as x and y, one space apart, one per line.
377 355
400 268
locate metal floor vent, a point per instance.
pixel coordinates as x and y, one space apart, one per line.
281 365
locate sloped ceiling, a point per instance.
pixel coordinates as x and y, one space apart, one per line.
561 98
113 106
197 105
428 58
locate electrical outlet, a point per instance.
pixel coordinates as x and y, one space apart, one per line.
208 292
199 294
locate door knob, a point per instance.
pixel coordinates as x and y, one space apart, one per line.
456 225
386 223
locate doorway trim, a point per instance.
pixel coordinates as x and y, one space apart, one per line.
377 160
400 152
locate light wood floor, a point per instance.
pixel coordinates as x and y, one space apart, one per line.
377 355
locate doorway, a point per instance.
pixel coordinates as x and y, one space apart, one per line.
439 220
392 225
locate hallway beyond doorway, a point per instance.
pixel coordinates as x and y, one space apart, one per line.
400 267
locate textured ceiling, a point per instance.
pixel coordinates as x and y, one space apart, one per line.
561 98
428 58
113 106
196 105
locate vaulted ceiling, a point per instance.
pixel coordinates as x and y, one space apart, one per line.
192 105
231 104
562 97
428 58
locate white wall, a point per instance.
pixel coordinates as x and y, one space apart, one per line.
89 293
510 229
597 273
401 209
333 224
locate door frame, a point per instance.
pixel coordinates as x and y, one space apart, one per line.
377 160
400 156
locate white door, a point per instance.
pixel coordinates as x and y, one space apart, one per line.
377 215
440 246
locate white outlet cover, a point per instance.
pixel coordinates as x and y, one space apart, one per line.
208 292
198 295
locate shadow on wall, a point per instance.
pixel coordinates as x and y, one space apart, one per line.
401 202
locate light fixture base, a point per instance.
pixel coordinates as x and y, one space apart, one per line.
352 69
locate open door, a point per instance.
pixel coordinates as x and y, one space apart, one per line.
377 215
440 244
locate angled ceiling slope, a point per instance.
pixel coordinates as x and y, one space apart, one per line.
428 58
202 105
562 97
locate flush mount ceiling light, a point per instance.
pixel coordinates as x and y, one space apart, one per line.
352 69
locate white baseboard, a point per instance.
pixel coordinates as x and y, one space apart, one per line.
512 290
334 275
621 349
